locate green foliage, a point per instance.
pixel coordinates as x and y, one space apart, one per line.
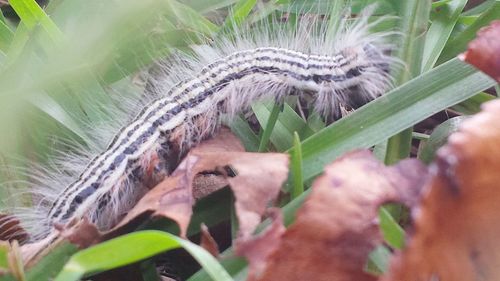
59 65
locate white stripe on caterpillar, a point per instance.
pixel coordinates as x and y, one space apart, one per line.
224 77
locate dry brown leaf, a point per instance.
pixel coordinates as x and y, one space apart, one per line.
207 242
257 250
257 181
456 228
337 227
10 229
484 51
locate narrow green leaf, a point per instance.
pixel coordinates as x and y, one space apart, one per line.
459 43
240 128
437 4
52 108
378 260
268 126
32 14
439 137
204 6
112 254
296 167
190 18
414 19
49 266
149 271
403 107
6 36
4 250
239 13
439 32
420 136
398 147
479 9
473 104
393 233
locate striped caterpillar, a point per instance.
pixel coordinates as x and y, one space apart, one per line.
221 77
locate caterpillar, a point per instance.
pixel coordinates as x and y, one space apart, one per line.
222 76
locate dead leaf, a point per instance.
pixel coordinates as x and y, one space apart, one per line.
12 254
484 51
456 227
257 180
207 242
10 229
337 226
82 234
258 249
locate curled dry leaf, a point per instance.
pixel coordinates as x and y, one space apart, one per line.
484 51
456 229
337 228
207 242
258 249
257 180
10 229
254 178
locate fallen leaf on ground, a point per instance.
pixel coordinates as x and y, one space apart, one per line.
484 51
337 226
10 229
258 249
456 227
207 242
255 179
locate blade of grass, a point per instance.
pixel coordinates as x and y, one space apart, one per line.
414 18
49 266
239 13
6 36
439 32
439 137
473 104
403 107
459 43
32 14
296 167
393 233
480 8
114 253
378 260
203 6
240 127
268 126
190 18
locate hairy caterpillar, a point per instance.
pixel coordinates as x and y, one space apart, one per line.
224 76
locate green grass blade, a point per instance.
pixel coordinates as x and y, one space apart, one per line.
459 43
403 107
190 18
439 32
268 126
49 266
378 260
32 14
239 13
439 137
473 105
414 19
203 6
116 253
6 36
296 167
52 108
393 233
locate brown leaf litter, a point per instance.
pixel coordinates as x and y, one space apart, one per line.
337 227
